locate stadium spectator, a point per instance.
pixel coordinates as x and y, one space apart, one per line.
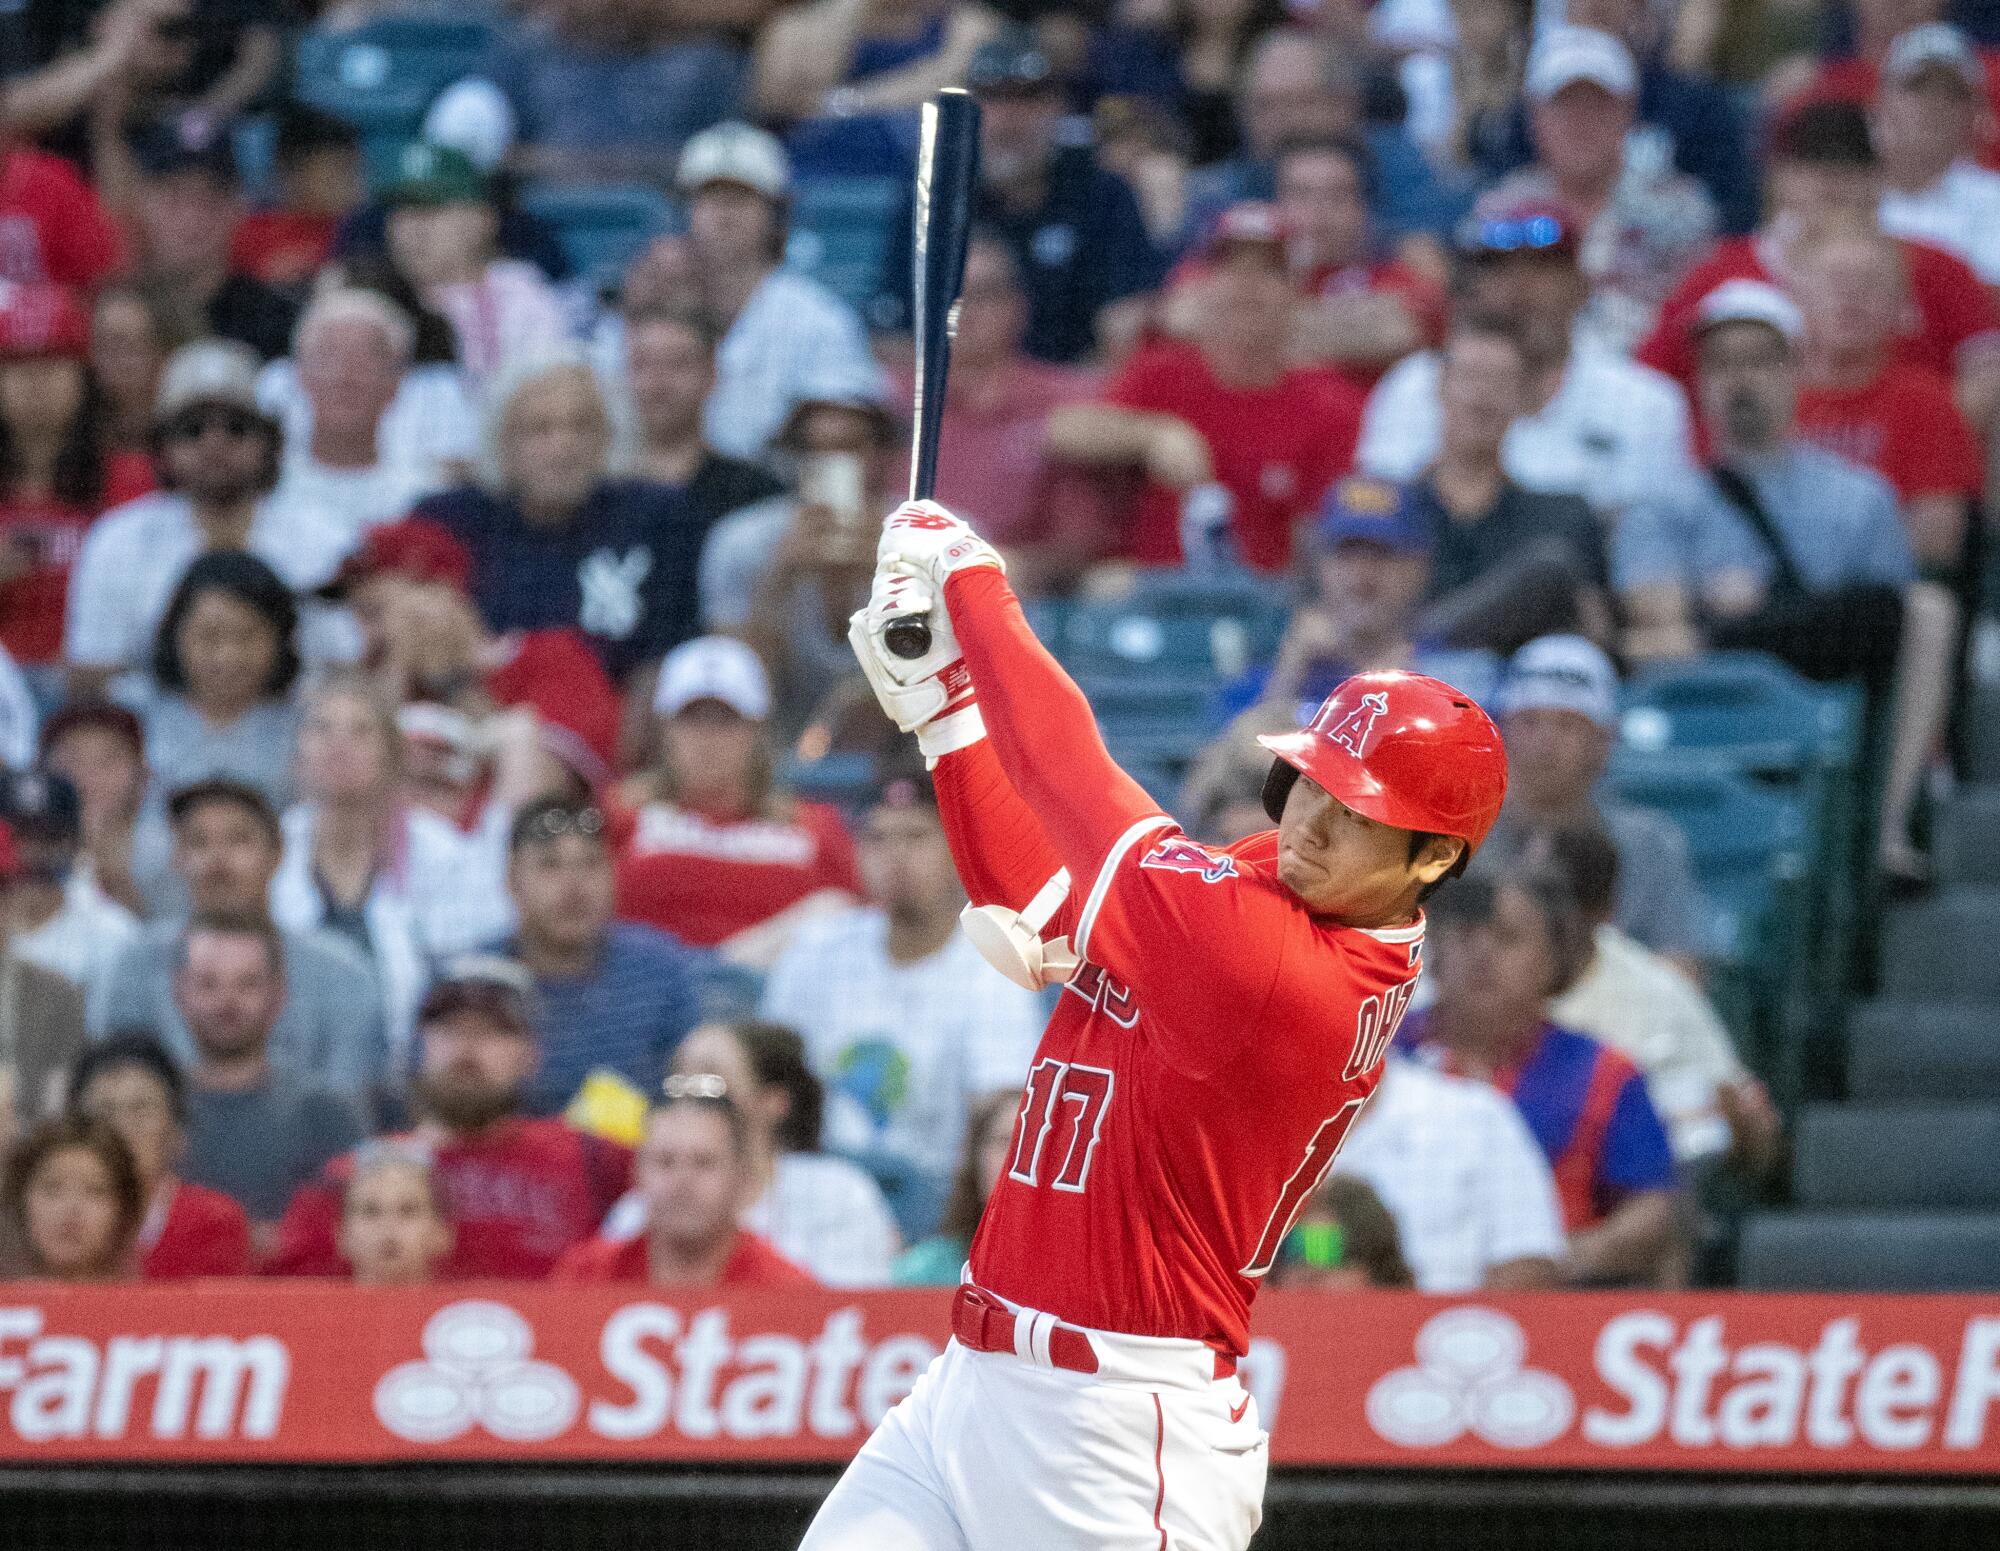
616 997
400 886
55 70
519 1190
1788 549
224 661
1142 142
41 1013
901 1018
1075 229
1345 1240
1473 1200
56 916
58 467
717 853
786 573
1928 122
1689 117
1855 78
939 1261
1635 1002
218 458
442 230
58 232
100 749
778 330
1464 89
692 1173
1640 224
430 424
820 1212
134 329
1857 400
1558 708
555 540
1183 61
350 355
131 1085
321 179
1822 168
1295 85
1499 952
596 90
257 1127
1368 566
1593 425
226 850
72 1202
1222 422
179 182
1508 563
395 1229
669 374
994 460
1362 311
424 642
840 59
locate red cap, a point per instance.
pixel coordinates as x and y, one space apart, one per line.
41 320
1253 222
1400 749
416 548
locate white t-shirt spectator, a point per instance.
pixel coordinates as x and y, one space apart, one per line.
82 940
19 720
354 500
429 424
1959 213
1614 432
1640 1005
133 557
1455 1165
904 1049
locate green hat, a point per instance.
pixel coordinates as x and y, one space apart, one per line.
429 174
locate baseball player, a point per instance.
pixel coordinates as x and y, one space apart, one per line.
1224 1016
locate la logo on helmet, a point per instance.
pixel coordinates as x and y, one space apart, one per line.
1353 730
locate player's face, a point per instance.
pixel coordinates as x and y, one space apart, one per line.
1347 866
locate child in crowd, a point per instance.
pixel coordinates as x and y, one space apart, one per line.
72 1202
394 1228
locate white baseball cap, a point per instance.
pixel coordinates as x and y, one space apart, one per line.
1561 673
735 153
1933 44
1749 301
713 667
209 371
1562 56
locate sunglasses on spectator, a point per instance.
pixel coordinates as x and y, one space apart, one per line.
696 1085
1529 234
554 823
196 422
1316 1244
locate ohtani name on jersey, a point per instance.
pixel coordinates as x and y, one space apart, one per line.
1375 1026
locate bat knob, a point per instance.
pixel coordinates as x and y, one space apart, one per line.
909 637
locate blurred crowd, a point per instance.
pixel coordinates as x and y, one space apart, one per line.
416 644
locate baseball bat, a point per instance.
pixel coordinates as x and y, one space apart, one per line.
947 172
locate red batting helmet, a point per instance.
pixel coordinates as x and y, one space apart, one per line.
1400 749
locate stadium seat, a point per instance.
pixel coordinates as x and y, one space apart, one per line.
840 233
1901 1049
1211 627
381 77
1867 1156
1871 1252
602 229
1968 836
840 779
1983 735
1944 945
1746 708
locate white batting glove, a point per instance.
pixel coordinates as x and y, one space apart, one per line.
937 542
931 695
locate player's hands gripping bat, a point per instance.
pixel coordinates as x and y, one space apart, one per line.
930 695
947 172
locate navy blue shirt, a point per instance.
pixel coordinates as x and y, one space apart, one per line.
1083 247
627 1016
622 571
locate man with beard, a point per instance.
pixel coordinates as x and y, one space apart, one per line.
256 1129
519 1190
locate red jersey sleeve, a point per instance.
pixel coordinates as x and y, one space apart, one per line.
1002 852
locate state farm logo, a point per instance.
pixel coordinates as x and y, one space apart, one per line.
477 1371
1470 1378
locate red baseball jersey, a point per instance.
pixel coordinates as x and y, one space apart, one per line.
1203 1066
1905 425
751 1263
